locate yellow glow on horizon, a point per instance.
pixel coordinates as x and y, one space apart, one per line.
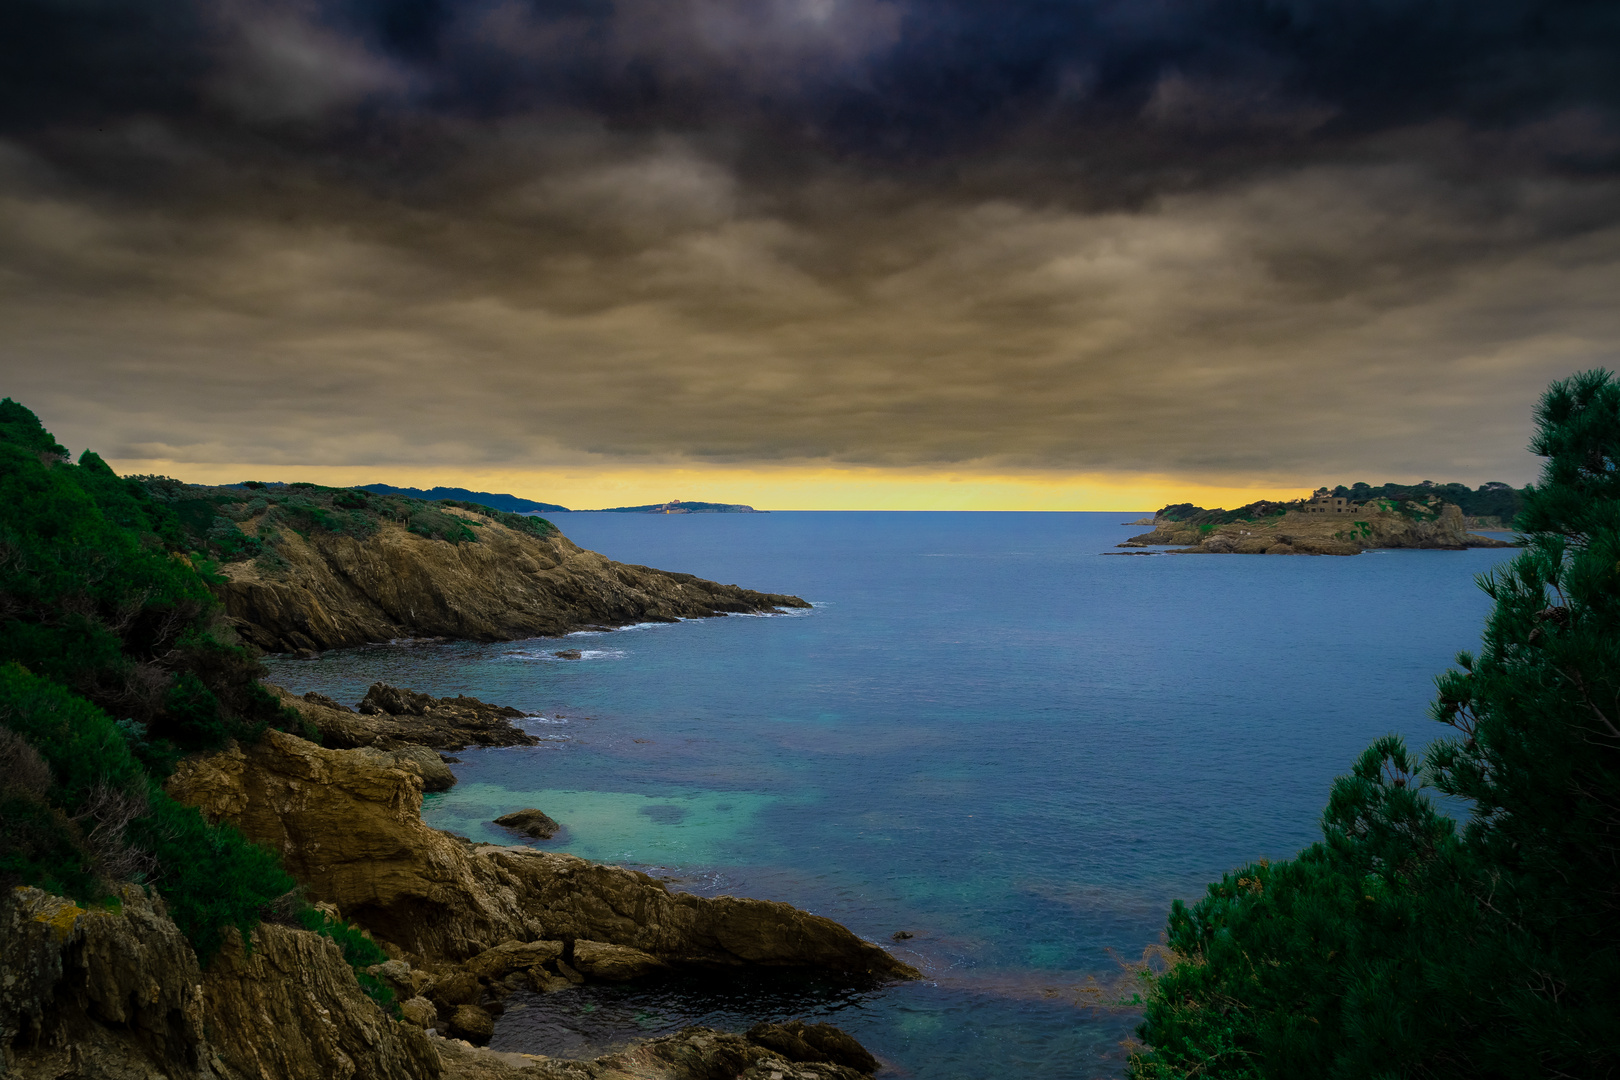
775 488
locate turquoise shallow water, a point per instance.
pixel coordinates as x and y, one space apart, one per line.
990 732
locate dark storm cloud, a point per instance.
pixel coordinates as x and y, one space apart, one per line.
1223 235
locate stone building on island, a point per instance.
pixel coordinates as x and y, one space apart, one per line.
1321 502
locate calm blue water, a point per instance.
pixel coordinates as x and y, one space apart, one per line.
988 733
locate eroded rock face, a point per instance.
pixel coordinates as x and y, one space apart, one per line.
118 993
291 1008
347 824
336 591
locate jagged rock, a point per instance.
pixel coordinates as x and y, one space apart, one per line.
392 718
693 1053
568 654
118 993
436 775
510 956
472 1023
418 1011
454 988
798 1041
347 824
531 822
329 591
291 1007
614 963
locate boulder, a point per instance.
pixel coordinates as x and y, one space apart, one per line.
510 956
530 822
614 963
418 1011
472 1023
435 774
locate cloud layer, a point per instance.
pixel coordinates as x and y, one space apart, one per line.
1210 238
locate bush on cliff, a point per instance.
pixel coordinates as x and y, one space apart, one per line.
94 596
102 616
1400 946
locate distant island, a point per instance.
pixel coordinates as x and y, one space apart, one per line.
1339 521
676 506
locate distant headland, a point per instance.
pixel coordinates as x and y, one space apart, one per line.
676 506
1340 521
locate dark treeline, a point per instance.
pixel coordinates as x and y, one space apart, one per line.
1403 944
1493 500
510 503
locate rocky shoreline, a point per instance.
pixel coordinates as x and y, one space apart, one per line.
328 590
1300 533
119 992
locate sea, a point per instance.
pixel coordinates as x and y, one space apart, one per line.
996 734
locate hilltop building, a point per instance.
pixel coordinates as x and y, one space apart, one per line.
1323 503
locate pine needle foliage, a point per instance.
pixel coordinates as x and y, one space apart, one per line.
1401 945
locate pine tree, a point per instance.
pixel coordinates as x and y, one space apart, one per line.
1399 946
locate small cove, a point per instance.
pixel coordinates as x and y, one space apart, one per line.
985 734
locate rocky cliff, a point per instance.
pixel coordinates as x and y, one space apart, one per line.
325 590
1297 533
117 994
347 825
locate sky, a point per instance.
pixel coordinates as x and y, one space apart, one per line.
816 254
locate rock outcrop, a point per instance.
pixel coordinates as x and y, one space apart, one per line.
1297 533
118 993
326 590
347 824
767 1052
389 717
531 822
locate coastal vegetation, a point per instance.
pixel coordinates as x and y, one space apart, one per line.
246 521
1496 503
115 660
1407 944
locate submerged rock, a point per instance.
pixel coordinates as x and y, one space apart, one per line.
530 822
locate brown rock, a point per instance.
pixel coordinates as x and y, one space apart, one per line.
418 1011
799 1041
333 591
454 988
510 956
531 822
435 774
690 1054
347 824
472 1023
119 993
392 718
614 963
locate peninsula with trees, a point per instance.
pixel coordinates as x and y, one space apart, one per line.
1340 521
